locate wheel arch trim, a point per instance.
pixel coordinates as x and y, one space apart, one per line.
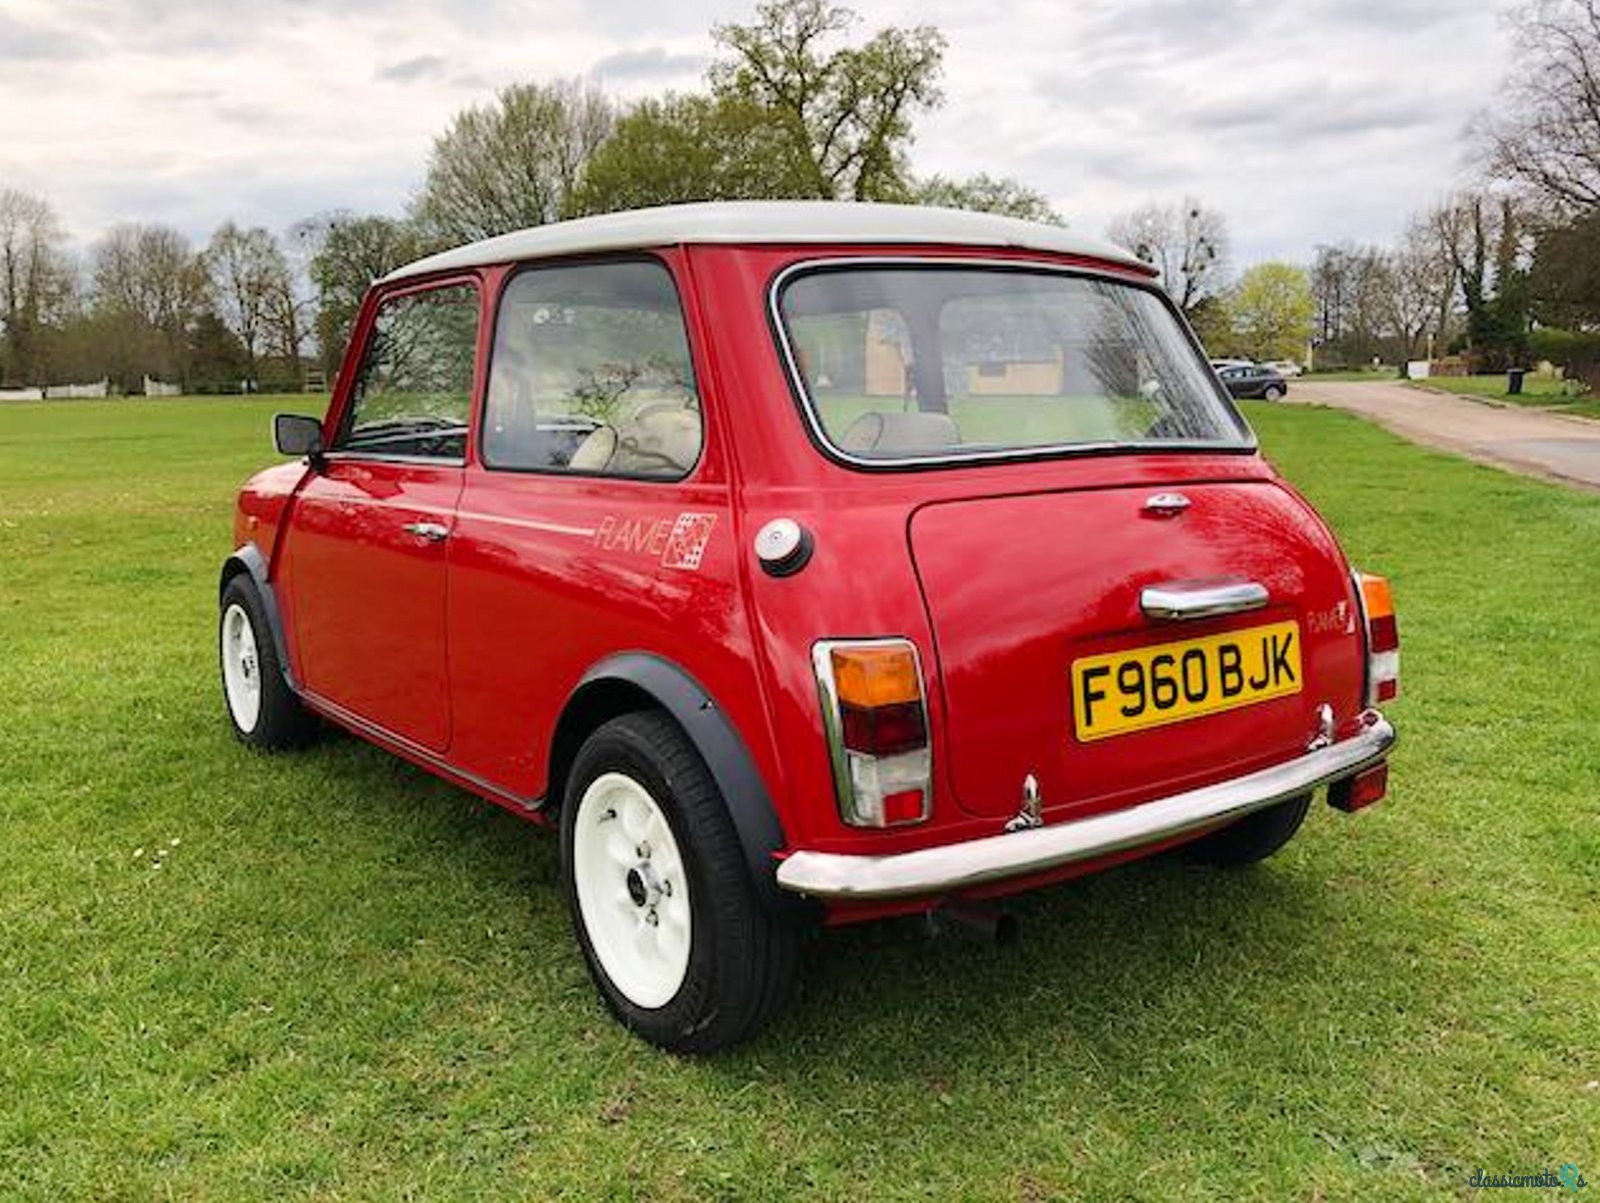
248 560
652 679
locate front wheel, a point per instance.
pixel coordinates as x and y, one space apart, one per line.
669 922
264 711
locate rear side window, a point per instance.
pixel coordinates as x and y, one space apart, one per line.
942 363
591 374
413 394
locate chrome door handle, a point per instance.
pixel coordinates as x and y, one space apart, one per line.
433 532
1202 599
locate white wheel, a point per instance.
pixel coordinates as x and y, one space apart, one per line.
241 668
633 893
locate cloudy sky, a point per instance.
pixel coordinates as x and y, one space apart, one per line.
1305 122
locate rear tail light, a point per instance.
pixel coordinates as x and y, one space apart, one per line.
1383 638
876 720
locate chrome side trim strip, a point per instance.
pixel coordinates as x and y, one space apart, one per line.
424 757
930 872
1201 599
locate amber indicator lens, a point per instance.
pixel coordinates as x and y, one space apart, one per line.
1378 602
870 677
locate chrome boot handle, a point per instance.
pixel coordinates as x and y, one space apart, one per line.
1182 600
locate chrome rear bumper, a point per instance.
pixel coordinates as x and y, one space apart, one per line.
950 868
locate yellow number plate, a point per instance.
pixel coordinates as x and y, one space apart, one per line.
1142 687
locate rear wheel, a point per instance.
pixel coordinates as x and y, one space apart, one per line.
263 709
675 937
1273 393
1252 838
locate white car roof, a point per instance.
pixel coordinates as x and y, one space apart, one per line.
777 222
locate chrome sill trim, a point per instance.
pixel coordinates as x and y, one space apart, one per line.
953 867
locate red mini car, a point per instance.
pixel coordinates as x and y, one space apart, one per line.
804 564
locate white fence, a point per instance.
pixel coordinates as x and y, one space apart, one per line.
155 388
100 388
61 392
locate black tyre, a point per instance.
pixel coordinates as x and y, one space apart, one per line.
675 936
1273 393
1252 838
264 711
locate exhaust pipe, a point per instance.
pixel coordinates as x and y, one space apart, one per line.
977 920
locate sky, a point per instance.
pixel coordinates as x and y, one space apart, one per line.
1304 123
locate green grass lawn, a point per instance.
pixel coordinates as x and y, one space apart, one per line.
1539 392
328 975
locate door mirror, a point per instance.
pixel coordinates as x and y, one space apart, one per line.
295 434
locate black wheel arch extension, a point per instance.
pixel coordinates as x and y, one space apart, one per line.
248 560
631 681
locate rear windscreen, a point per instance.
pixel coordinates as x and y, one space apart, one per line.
935 363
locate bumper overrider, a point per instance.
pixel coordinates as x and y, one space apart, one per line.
950 868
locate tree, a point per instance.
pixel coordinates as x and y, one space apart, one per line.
352 251
1564 279
148 287
1405 302
1546 137
1187 244
1272 310
690 148
250 285
1486 236
217 359
1213 325
1348 303
1425 256
513 163
35 284
986 194
843 113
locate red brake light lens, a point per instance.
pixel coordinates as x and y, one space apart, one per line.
883 730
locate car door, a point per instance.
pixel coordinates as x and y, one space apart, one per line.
591 522
368 544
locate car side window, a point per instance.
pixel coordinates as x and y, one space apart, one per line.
591 374
413 394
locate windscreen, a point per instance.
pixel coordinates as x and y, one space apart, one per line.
922 363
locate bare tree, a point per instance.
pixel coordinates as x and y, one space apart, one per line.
249 278
1546 136
1348 286
1405 301
513 163
35 283
149 286
1187 244
844 111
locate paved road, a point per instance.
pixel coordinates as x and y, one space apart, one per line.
1520 440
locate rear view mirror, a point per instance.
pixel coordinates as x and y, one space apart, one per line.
296 434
